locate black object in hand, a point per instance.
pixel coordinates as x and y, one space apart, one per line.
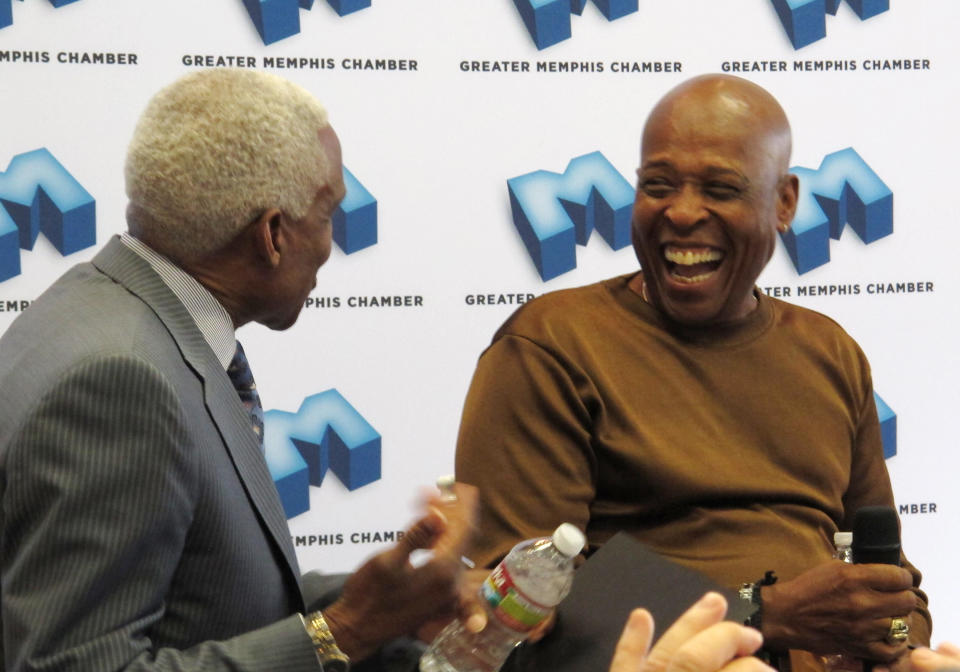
876 536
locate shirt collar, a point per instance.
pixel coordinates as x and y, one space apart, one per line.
210 316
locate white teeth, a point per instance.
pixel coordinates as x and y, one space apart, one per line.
687 257
689 280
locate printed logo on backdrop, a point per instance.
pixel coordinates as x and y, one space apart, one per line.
38 195
326 434
6 10
843 190
888 427
278 19
805 21
888 436
548 21
355 219
554 212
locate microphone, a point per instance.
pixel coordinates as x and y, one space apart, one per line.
876 539
876 535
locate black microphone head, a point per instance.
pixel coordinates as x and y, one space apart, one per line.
876 535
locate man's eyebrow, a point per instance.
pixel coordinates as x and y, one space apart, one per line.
654 164
712 171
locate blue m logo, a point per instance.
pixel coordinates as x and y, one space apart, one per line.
888 427
37 194
327 433
355 220
553 212
548 21
806 20
844 190
278 19
6 10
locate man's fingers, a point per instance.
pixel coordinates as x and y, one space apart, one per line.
543 628
709 610
700 641
886 578
712 648
471 611
748 664
422 534
445 528
634 642
461 517
946 657
949 649
881 652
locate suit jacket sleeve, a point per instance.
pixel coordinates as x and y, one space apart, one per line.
99 495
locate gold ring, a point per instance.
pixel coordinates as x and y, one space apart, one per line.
899 631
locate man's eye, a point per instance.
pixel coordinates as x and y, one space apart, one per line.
721 191
656 187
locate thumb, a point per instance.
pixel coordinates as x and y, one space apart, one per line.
422 534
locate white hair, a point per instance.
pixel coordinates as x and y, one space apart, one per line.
216 149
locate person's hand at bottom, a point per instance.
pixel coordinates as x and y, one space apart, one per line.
699 641
944 657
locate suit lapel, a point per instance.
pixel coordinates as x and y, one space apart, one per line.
223 404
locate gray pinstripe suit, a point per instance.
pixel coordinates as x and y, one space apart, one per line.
140 526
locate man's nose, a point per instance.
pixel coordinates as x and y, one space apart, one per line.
686 209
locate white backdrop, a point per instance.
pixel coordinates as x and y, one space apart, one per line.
435 146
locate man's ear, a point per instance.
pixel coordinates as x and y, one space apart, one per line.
788 191
268 236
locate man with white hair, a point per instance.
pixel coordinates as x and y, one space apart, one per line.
141 527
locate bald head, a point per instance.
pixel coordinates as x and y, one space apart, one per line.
731 105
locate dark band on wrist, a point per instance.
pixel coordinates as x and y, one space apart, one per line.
752 593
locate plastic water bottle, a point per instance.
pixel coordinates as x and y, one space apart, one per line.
843 543
840 662
520 593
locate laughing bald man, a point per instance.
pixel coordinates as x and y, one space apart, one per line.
729 431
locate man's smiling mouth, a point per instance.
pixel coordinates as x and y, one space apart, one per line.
691 265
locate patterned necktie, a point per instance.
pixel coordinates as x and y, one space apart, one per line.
242 379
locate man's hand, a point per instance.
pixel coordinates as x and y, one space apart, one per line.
473 614
469 608
944 657
700 641
388 597
839 608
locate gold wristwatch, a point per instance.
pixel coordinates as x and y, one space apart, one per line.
328 653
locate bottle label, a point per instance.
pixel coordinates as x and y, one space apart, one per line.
511 607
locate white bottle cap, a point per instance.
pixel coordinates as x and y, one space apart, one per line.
842 538
446 482
568 539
